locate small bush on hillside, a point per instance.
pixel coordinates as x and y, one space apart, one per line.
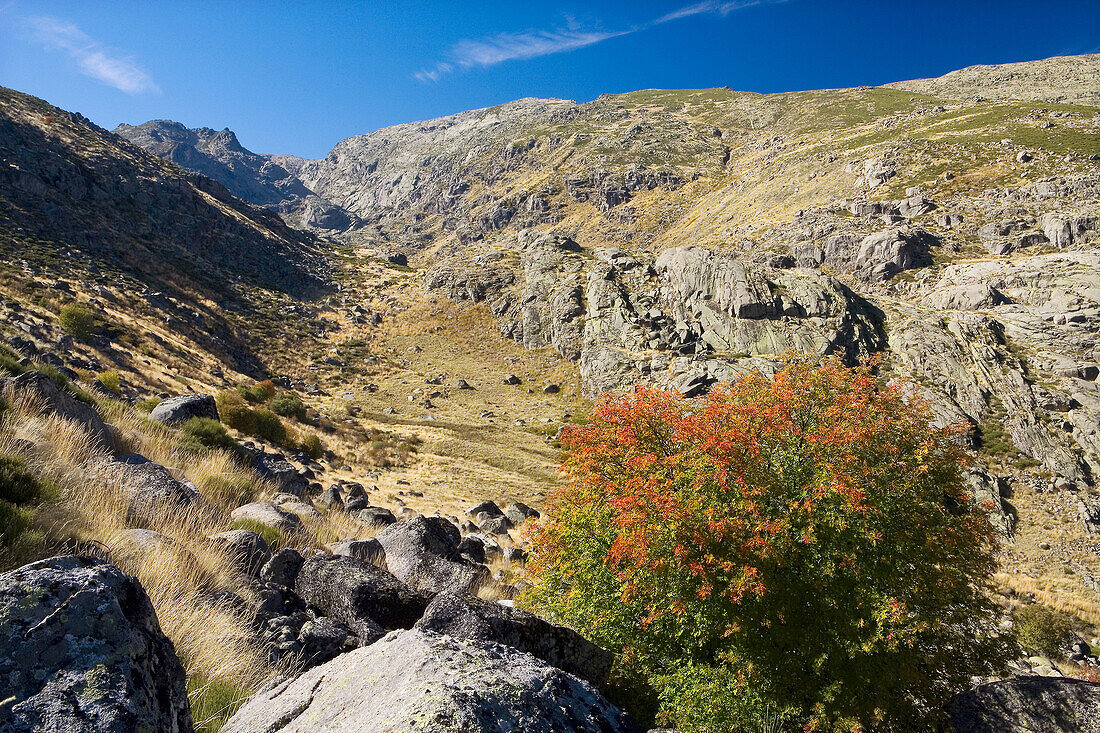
274 537
802 543
20 492
235 412
110 381
149 404
288 404
270 427
258 393
228 490
200 433
312 446
9 361
79 321
1043 630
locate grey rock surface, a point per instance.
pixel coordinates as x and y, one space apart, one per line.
362 596
81 651
423 553
1028 705
467 617
53 399
416 682
177 410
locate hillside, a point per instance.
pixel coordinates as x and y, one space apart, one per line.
1069 79
433 301
679 237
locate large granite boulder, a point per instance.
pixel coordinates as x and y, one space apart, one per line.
423 552
416 682
53 399
178 410
268 514
81 650
1028 705
154 491
466 617
363 597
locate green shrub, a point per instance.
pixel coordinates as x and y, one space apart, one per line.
228 490
274 537
257 393
20 492
1043 630
269 426
288 404
110 380
148 405
312 446
235 412
18 485
199 433
9 361
79 321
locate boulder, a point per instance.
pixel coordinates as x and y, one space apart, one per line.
323 639
281 472
81 650
424 553
268 514
178 410
153 490
420 682
490 507
375 516
884 254
247 550
1028 705
283 567
53 399
330 498
466 617
518 513
369 550
363 597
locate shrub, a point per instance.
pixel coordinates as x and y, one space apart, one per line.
270 427
149 404
235 412
258 393
802 543
110 380
288 404
1043 630
312 446
79 321
18 485
199 433
274 537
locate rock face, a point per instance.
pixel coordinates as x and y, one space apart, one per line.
427 682
363 597
53 399
81 650
423 552
466 617
177 410
1028 705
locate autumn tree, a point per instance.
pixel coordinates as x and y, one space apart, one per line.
802 543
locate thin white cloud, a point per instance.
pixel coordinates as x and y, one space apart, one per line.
485 52
92 58
503 47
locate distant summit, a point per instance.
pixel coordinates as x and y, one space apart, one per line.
1066 79
253 177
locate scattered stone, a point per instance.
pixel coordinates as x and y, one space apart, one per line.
178 410
512 379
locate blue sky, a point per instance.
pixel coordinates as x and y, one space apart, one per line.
297 77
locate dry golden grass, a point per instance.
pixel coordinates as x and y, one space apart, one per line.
214 642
